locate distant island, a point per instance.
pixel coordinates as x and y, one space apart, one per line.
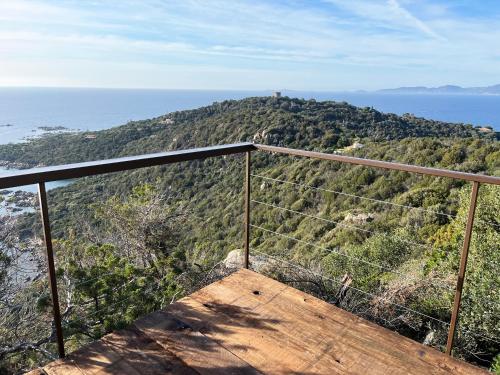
447 89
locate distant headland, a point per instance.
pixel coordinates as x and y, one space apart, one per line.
447 89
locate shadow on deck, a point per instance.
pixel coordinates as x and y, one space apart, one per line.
250 324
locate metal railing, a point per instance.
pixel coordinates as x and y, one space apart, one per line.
474 178
63 172
40 176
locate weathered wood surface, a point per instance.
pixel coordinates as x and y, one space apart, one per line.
250 324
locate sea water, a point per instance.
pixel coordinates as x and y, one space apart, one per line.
24 111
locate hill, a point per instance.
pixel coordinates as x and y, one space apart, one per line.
447 89
287 122
161 230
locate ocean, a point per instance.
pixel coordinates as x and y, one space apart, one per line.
24 112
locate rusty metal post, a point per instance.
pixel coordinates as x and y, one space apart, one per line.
44 211
463 267
247 209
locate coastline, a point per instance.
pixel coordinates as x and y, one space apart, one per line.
44 112
6 165
18 196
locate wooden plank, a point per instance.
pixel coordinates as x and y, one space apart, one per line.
376 340
126 351
228 291
250 324
92 358
328 327
36 371
271 343
145 355
288 335
200 353
120 367
62 366
324 337
372 343
356 345
246 337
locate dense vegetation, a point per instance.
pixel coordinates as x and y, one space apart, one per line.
305 124
155 234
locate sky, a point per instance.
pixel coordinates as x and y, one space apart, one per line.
325 45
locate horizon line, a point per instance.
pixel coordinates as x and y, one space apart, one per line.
353 91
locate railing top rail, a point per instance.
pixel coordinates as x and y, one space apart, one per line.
383 164
68 171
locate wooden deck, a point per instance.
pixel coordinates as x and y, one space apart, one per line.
250 324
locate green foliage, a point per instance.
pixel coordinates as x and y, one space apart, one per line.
126 241
5 261
480 312
127 271
285 121
495 366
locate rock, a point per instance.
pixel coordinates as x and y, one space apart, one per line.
53 128
261 136
236 260
360 218
167 121
429 338
13 164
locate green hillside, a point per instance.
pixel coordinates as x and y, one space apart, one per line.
397 235
295 123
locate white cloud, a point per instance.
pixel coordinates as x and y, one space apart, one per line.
399 11
330 45
387 14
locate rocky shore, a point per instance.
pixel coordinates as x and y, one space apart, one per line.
26 261
17 201
14 165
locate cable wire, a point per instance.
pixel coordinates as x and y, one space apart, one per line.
369 199
352 287
354 196
337 223
332 251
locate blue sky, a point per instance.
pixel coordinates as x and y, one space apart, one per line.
237 44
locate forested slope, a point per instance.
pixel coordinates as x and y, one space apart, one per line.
397 236
280 121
